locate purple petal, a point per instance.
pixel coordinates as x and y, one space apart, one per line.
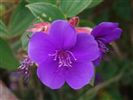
86 48
107 32
51 75
80 75
63 34
39 47
98 60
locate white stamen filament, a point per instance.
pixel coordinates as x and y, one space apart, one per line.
64 58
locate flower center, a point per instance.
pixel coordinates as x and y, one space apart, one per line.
64 58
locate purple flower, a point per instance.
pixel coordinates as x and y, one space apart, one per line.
105 33
63 56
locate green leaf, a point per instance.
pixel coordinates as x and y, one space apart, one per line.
48 1
26 35
3 29
25 39
45 11
95 3
7 59
92 81
73 7
20 19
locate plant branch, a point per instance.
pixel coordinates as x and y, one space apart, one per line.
94 90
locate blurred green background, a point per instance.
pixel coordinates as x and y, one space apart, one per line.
114 76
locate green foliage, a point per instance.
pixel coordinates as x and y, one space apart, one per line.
25 39
45 11
46 1
2 10
111 93
123 9
3 29
114 93
128 77
7 59
110 71
86 23
74 7
92 81
95 3
20 20
104 16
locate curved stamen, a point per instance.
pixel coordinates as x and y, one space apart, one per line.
72 55
24 68
102 46
64 58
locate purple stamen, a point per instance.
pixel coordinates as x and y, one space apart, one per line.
24 68
64 58
102 46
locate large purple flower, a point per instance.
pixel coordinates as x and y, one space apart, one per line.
105 33
63 56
